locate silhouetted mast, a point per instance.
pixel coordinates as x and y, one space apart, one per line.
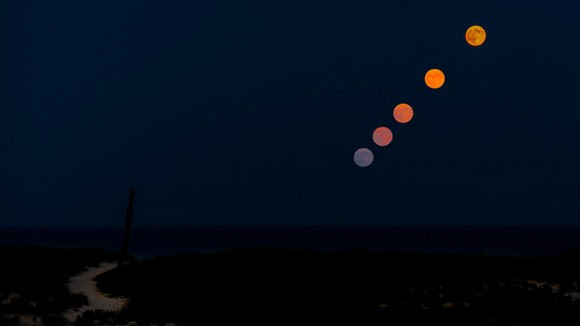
128 221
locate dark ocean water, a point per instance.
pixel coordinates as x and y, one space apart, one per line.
160 241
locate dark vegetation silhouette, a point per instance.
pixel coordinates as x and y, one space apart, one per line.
128 225
270 286
33 281
276 286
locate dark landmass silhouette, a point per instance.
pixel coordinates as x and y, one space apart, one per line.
276 286
283 286
33 281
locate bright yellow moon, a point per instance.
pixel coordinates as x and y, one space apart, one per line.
435 78
475 35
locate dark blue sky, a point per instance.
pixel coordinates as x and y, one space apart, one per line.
248 112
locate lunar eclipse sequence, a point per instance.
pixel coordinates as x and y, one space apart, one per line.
403 112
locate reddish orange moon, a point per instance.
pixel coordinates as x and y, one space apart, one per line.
434 78
403 113
382 136
475 35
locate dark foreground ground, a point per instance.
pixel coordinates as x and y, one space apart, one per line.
295 287
33 282
269 286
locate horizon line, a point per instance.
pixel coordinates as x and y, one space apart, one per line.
286 225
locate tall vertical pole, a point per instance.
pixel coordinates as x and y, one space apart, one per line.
128 221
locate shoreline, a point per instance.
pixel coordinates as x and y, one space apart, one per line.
85 284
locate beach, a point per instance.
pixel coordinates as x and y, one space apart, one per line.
84 284
265 286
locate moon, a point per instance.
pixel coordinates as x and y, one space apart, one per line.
363 157
434 78
403 113
475 35
382 136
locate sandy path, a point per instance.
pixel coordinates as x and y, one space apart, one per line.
85 284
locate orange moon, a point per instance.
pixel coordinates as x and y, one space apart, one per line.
475 35
382 136
403 113
434 78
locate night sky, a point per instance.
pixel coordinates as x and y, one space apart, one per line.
249 112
